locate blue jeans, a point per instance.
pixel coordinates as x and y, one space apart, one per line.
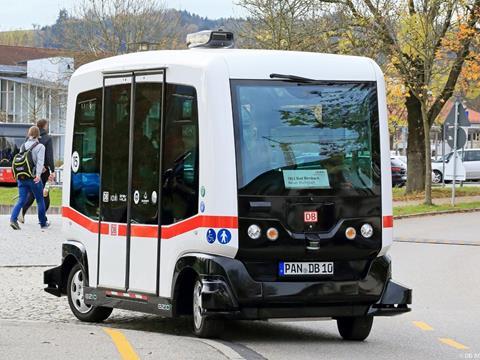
24 187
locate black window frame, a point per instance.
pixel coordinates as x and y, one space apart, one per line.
98 125
375 190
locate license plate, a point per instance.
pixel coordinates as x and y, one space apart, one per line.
305 268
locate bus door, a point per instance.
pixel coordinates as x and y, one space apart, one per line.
131 133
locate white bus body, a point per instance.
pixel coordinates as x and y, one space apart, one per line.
200 252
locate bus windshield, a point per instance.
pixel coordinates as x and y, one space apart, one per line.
302 139
9 147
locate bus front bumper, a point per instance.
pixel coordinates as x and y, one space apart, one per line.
235 294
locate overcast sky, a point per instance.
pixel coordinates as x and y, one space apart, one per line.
21 14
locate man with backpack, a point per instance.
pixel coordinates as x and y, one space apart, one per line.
48 173
27 168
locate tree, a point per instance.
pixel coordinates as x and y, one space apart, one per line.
285 25
112 27
426 44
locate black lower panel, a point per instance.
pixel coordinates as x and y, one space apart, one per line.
153 305
232 292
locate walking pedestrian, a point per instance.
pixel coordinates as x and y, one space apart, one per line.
27 184
48 173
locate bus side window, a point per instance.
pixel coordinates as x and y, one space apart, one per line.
180 155
85 180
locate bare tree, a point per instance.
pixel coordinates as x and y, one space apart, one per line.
111 27
285 25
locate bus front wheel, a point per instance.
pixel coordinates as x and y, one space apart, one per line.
355 328
203 327
75 294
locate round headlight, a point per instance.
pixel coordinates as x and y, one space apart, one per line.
254 232
272 234
366 230
350 233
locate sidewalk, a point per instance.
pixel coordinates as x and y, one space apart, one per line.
439 201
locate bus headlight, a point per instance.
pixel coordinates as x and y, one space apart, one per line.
350 233
367 231
272 234
254 232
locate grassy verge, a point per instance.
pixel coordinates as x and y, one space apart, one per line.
437 192
425 209
8 196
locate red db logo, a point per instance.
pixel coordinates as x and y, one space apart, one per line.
310 216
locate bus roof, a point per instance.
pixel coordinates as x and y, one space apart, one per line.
245 64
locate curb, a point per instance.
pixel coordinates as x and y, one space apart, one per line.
52 210
434 213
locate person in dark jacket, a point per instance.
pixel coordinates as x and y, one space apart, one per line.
48 173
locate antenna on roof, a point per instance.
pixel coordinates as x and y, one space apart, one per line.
213 39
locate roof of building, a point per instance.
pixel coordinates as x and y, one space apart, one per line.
13 55
244 64
473 115
34 82
12 70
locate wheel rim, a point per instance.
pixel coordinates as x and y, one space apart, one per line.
197 305
77 292
436 177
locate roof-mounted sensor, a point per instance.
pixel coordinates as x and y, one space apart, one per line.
214 39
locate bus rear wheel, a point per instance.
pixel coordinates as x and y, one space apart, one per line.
203 327
355 328
75 294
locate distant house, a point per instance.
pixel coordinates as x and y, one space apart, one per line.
400 136
473 132
33 85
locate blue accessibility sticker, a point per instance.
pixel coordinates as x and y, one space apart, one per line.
224 236
211 236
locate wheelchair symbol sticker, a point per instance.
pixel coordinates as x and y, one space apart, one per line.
211 236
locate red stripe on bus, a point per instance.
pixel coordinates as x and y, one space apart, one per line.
84 221
388 221
229 222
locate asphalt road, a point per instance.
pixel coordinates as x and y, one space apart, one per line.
443 324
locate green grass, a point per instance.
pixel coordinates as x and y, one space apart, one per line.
8 196
437 192
425 209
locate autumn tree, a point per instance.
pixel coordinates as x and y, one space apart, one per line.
426 43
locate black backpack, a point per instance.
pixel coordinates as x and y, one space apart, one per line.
23 165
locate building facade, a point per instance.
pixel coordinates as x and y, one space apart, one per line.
33 89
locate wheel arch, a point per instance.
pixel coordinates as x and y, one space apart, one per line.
207 267
73 252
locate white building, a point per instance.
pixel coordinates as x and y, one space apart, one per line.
37 89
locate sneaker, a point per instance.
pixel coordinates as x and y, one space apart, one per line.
46 226
21 218
14 225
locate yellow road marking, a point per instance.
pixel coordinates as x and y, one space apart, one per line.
123 346
422 325
453 343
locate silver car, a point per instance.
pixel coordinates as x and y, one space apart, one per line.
471 162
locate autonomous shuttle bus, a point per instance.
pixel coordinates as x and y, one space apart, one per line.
228 184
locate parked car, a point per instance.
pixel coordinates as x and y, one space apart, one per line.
402 158
399 172
471 161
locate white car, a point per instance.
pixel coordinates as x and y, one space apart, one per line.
471 161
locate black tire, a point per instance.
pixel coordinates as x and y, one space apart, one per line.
202 326
83 312
355 328
437 178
